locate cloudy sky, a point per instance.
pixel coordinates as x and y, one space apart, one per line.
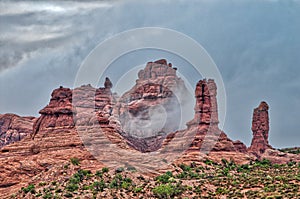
254 43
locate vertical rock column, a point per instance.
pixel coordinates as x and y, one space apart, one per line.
260 129
206 108
206 114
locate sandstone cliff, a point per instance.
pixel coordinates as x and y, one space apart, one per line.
152 108
13 128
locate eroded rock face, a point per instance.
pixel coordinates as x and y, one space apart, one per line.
56 139
206 108
13 128
151 109
260 129
58 113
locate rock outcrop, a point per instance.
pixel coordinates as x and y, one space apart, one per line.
206 108
58 113
13 128
152 108
260 129
209 137
203 135
63 131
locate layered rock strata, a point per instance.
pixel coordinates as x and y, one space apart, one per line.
13 128
152 108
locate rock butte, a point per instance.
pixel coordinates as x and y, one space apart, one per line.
52 139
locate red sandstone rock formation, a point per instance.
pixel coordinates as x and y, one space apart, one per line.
206 121
203 135
206 109
157 96
260 129
13 128
90 117
260 146
58 113
56 139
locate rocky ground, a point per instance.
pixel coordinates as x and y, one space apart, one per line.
258 179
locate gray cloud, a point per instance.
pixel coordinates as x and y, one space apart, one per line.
254 43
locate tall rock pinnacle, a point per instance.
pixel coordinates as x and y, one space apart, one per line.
260 129
206 108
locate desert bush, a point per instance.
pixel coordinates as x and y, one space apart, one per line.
105 170
72 187
75 161
185 167
166 191
99 185
164 178
29 188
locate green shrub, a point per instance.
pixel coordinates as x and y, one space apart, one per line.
41 184
105 170
99 174
125 185
137 189
79 176
243 167
29 188
58 191
182 175
193 175
225 171
165 191
185 167
48 195
291 163
197 190
99 185
72 187
75 161
163 178
74 180
264 162
224 162
209 162
221 191
114 184
66 166
127 180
